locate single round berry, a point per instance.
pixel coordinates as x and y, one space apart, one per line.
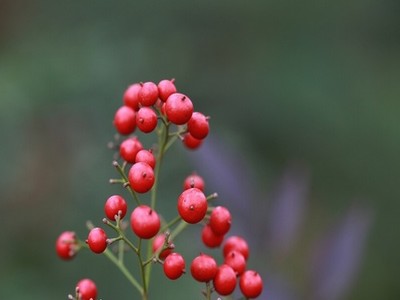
192 205
203 268
148 94
194 181
131 96
125 120
146 119
158 244
145 222
141 177
209 238
86 289
198 125
174 266
220 220
129 148
191 142
146 156
236 260
66 245
251 284
166 88
225 280
114 205
236 243
97 240
178 108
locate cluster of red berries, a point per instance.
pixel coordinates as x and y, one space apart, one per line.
144 105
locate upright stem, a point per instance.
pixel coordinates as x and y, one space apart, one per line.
162 142
208 291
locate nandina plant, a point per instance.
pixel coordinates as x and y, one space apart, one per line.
162 110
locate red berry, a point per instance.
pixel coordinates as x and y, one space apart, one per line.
86 289
141 177
174 266
97 240
178 108
220 220
209 238
129 148
148 94
131 96
193 181
166 88
145 222
146 119
198 126
146 156
236 243
251 284
191 142
158 243
225 280
236 260
113 205
203 268
192 205
125 120
66 245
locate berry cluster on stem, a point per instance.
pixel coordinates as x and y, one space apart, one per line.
160 108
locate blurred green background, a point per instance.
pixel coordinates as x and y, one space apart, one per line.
314 83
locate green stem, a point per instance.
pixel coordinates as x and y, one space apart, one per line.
162 141
178 229
124 270
171 223
208 291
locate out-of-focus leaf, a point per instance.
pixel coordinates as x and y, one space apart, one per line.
337 255
287 209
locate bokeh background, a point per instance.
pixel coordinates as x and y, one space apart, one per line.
304 105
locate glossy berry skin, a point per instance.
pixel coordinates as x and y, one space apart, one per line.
129 148
236 260
251 284
97 240
220 220
203 268
146 119
66 245
125 120
174 266
209 238
236 243
165 89
87 289
113 205
131 96
192 205
194 181
191 142
145 222
158 243
225 280
141 177
198 125
148 94
178 108
146 156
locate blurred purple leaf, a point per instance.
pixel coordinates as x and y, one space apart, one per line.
337 256
287 210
